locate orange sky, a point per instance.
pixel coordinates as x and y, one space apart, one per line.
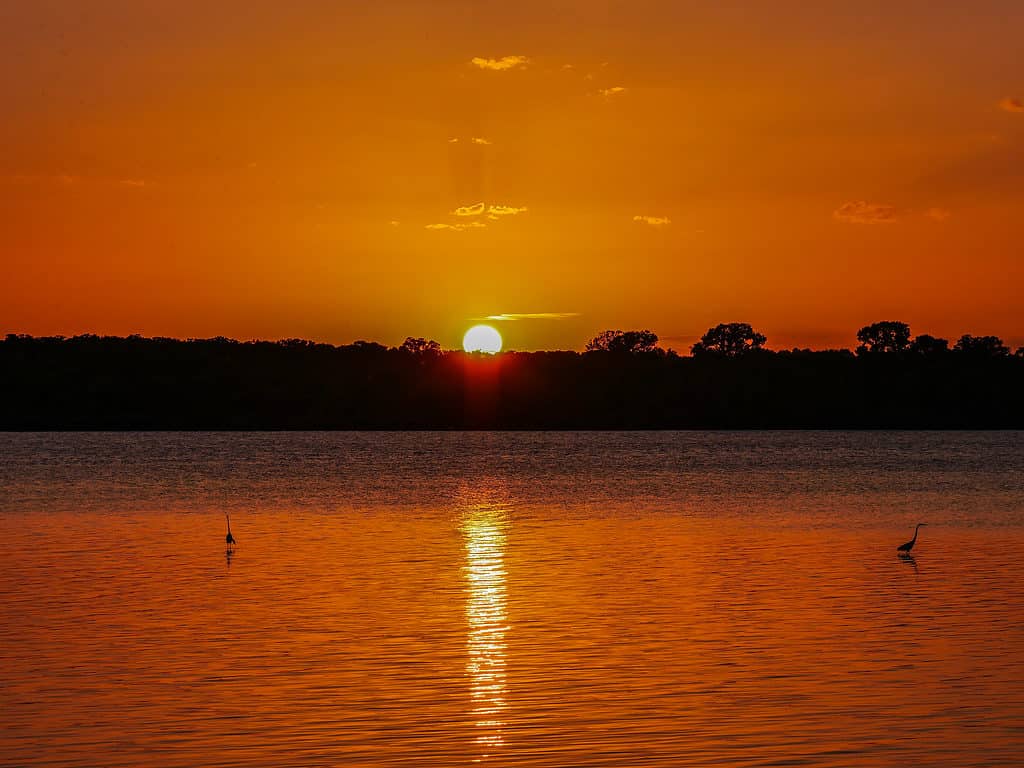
268 169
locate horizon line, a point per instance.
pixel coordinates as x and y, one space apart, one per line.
684 352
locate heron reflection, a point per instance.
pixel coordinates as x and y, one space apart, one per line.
483 531
908 559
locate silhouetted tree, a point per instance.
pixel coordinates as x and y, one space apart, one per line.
369 347
729 340
418 346
623 341
886 336
929 345
1019 352
982 346
288 343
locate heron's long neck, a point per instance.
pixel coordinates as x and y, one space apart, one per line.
914 539
229 526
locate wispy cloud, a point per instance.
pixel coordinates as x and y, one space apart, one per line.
71 180
533 316
492 211
863 212
1012 105
654 221
457 227
505 210
479 140
613 91
938 214
502 64
469 210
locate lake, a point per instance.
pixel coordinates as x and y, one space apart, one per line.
521 599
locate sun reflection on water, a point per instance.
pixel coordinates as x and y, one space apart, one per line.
487 618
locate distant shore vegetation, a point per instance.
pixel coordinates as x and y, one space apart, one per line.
623 380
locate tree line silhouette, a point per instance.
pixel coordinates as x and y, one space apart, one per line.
623 380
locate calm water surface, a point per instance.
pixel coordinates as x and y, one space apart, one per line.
522 599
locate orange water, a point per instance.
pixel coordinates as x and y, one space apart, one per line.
505 622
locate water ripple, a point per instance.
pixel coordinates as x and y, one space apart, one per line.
640 602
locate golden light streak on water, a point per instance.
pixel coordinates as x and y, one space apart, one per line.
483 531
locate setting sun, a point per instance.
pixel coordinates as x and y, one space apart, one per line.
482 338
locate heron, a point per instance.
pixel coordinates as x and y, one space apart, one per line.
231 539
910 544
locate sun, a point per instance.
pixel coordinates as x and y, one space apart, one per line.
482 338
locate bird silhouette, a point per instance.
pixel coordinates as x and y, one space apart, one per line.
229 538
910 544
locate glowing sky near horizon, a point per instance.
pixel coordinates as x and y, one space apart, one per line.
339 171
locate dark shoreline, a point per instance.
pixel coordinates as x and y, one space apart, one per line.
95 383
